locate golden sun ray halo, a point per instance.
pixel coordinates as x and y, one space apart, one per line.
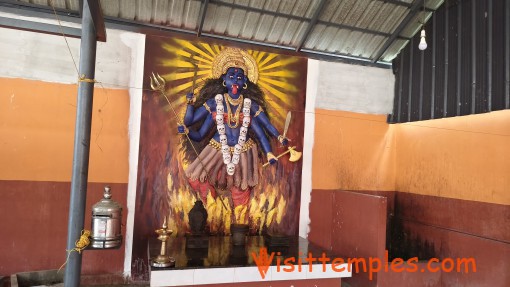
275 75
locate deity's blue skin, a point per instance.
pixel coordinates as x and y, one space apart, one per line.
234 80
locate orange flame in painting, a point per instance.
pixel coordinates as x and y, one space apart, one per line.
180 201
264 211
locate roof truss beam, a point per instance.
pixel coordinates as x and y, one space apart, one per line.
311 25
404 4
44 28
412 13
97 18
11 6
201 18
257 10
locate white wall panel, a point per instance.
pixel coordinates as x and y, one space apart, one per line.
355 88
36 56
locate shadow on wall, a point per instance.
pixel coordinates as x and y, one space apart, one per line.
402 243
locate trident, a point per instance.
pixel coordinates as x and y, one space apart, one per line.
159 84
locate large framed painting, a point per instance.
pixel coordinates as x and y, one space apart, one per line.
222 126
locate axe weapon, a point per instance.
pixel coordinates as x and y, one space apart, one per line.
294 155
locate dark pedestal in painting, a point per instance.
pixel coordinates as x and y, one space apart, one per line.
198 238
276 240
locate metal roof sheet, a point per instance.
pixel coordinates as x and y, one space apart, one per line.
360 29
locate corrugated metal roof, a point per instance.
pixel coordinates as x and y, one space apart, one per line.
360 29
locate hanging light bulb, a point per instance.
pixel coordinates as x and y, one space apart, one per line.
423 44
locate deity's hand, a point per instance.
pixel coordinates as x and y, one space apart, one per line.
182 129
271 158
283 140
190 98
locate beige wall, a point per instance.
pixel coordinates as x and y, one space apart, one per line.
463 157
37 132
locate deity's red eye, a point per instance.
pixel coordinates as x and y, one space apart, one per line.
235 70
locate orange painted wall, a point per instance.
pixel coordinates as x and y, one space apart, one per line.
463 157
37 122
352 151
37 132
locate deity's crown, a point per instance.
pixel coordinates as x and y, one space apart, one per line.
235 58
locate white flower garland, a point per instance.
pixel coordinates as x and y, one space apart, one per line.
232 160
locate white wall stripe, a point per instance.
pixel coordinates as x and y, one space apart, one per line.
306 175
137 44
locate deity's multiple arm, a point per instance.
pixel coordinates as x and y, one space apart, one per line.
192 116
259 132
263 121
268 126
260 122
203 131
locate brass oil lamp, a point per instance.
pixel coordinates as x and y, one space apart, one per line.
163 260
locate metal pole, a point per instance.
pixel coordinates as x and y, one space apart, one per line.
81 146
473 56
400 83
446 44
410 95
507 55
489 54
459 58
433 90
422 68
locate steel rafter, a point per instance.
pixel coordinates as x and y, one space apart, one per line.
31 26
404 4
312 23
11 6
412 13
201 18
97 19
